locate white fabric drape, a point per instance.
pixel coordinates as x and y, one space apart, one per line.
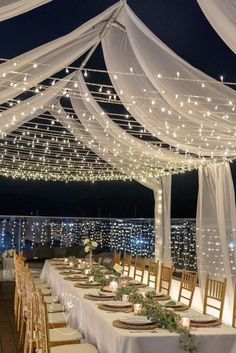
32 107
173 100
12 8
28 69
216 227
221 15
106 133
161 188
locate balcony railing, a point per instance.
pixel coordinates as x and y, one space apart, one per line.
133 235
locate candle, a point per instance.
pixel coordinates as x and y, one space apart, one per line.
113 286
86 272
91 278
71 264
125 297
185 322
137 309
66 260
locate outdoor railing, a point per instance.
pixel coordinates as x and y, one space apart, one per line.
134 235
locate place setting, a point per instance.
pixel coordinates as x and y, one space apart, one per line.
175 305
76 277
135 324
115 306
99 296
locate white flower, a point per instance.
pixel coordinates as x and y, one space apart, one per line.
86 241
86 249
94 244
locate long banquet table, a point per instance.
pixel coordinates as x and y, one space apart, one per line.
97 327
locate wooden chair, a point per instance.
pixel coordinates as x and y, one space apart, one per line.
234 309
187 287
165 279
139 268
43 337
117 258
214 295
153 269
127 264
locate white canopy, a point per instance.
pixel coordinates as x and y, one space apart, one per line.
12 8
221 15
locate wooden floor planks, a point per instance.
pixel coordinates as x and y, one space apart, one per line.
8 333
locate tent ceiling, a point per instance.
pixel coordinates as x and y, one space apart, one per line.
149 114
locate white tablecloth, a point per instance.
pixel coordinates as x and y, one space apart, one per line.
97 325
8 269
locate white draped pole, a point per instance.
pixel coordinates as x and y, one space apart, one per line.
162 216
216 228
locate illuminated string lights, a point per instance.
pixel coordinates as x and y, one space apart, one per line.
135 236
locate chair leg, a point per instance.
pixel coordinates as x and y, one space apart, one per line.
22 333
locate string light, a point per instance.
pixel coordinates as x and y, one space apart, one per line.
135 236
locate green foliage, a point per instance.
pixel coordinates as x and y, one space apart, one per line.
170 321
150 294
99 276
131 291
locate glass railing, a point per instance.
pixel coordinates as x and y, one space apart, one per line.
54 236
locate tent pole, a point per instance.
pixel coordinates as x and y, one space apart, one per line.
104 30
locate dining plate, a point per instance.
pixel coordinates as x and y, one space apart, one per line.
105 294
203 318
135 320
176 305
118 304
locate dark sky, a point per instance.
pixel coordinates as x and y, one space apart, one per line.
178 23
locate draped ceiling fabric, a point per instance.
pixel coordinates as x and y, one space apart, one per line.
31 68
12 8
189 107
216 228
108 134
32 107
221 15
189 114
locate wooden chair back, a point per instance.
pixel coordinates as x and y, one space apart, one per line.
165 279
117 257
153 269
42 331
139 268
214 295
187 287
127 264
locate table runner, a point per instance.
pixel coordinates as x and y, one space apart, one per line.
97 325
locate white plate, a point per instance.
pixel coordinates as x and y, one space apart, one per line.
135 320
204 318
103 294
117 303
176 305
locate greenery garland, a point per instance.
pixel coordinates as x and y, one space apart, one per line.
157 313
160 315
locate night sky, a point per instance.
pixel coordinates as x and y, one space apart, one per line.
178 23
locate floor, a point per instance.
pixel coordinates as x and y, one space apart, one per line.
8 334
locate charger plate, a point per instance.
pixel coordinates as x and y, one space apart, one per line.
87 285
162 298
75 278
97 297
125 326
116 309
204 321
